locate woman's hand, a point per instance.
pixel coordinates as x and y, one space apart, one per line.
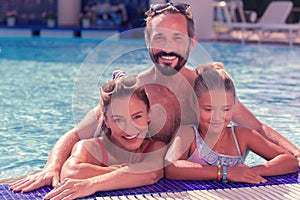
243 173
47 176
71 189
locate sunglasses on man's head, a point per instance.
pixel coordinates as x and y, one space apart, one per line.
183 8
126 82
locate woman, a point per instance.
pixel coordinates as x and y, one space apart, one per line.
123 156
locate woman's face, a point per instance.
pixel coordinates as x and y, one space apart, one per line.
128 119
216 109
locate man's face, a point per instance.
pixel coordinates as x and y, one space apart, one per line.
169 44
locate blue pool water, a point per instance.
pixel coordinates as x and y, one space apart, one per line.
41 89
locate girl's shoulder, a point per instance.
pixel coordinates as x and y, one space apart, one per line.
245 134
242 132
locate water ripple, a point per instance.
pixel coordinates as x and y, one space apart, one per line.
38 78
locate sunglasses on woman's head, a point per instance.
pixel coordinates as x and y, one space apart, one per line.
183 8
126 82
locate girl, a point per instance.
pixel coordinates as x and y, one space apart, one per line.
214 151
123 156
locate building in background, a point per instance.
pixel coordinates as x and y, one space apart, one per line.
101 13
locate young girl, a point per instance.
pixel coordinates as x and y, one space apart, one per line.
215 151
123 156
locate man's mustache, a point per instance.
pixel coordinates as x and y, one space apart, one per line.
163 53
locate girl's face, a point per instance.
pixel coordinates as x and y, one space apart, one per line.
128 119
216 109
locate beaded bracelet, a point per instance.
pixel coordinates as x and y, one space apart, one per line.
224 176
219 172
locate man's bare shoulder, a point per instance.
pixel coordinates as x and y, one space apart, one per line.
147 74
186 131
189 74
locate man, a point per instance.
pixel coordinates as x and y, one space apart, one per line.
170 37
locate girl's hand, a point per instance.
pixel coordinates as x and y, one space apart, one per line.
242 173
71 189
42 178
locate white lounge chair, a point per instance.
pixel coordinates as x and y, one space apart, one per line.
286 32
273 19
225 16
231 17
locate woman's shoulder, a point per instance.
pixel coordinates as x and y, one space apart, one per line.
88 143
88 150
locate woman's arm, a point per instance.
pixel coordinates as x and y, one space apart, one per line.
147 172
279 161
243 117
85 161
118 179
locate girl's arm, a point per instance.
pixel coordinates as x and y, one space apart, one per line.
178 167
176 164
147 172
279 161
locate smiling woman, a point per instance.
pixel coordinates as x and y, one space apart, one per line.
123 151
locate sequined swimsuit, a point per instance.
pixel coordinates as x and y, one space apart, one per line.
206 156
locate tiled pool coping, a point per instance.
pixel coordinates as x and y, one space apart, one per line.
285 185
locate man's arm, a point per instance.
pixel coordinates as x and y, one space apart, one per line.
50 175
278 160
243 117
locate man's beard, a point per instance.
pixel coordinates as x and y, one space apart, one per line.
166 68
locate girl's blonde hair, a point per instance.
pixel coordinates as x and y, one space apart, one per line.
212 77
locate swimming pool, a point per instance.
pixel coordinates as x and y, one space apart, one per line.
40 89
